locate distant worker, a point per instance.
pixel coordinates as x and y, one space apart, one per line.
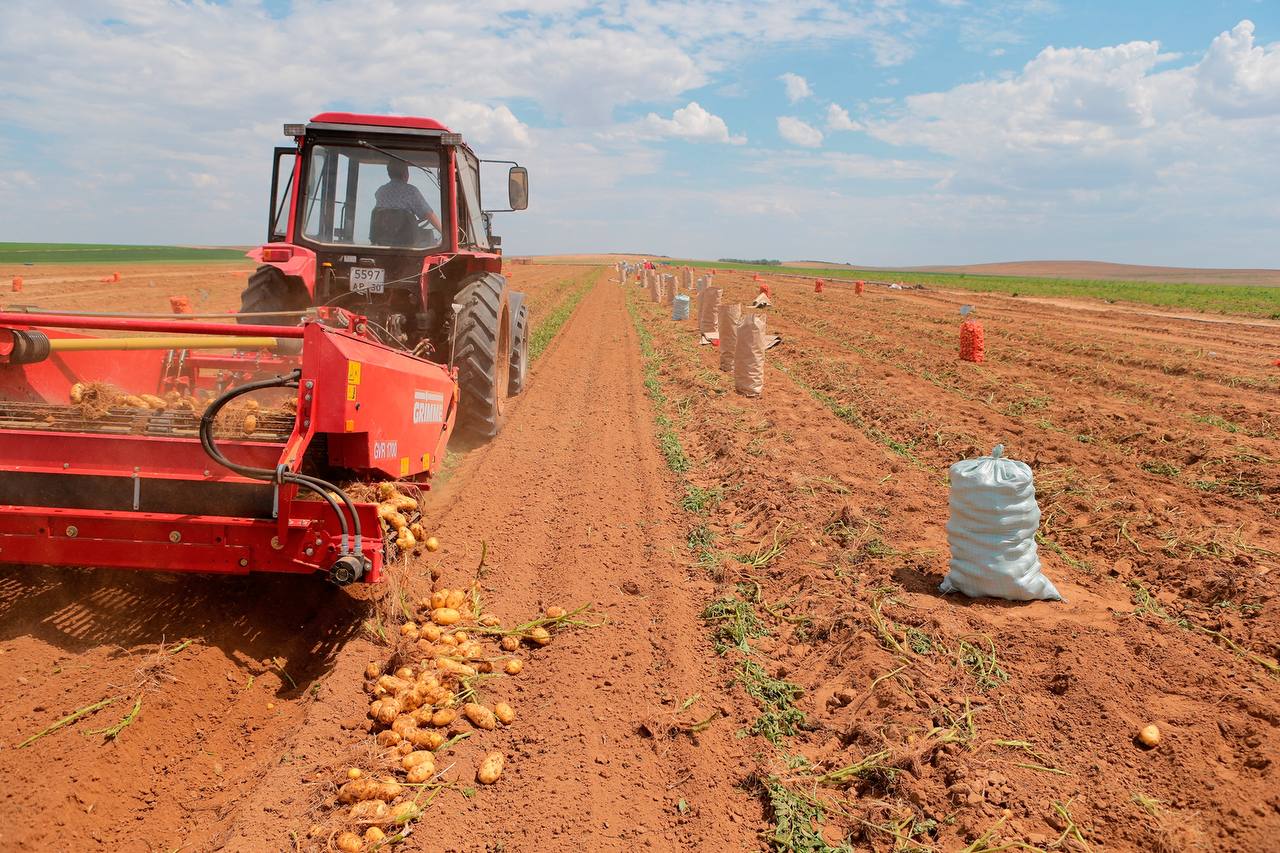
399 194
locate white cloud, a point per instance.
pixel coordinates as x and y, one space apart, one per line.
1238 78
838 119
797 87
692 123
799 132
480 123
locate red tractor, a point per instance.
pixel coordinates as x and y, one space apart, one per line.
382 216
378 320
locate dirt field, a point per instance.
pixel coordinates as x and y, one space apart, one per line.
932 721
770 663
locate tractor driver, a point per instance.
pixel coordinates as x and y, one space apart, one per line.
399 194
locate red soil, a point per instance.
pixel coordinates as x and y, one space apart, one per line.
1154 443
1156 463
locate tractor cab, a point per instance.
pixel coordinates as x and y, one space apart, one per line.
383 216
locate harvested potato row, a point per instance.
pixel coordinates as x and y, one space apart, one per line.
419 704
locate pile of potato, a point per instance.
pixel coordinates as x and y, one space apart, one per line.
426 697
395 511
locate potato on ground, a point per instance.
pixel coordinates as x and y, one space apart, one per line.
406 811
490 768
369 789
445 616
480 716
349 842
388 711
367 810
420 773
505 713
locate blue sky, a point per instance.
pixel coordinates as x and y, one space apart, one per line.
890 132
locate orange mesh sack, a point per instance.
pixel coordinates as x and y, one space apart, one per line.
971 341
730 317
748 356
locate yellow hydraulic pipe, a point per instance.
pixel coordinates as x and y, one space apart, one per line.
169 342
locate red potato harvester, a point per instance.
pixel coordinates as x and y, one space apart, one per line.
381 312
155 489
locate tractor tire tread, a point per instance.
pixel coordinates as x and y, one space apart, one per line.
484 300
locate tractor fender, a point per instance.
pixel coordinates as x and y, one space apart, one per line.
300 265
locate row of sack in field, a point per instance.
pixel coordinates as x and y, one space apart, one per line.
993 511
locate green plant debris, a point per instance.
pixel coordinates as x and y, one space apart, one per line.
797 819
978 656
69 719
733 622
569 620
1146 603
1078 565
279 664
871 766
778 717
1159 467
698 501
1149 804
766 553
700 537
1071 829
112 732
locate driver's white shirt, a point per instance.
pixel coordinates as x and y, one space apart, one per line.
402 195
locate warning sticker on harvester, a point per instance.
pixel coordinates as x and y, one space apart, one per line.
428 407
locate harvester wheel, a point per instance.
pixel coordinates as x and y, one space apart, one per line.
271 290
519 346
482 355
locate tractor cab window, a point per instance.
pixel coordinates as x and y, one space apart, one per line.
470 217
359 196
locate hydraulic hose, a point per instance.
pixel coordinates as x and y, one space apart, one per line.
211 414
323 488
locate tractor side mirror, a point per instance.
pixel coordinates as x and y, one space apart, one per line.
518 187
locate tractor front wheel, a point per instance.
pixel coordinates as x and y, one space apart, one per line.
482 354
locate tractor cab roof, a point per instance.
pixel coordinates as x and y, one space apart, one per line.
366 120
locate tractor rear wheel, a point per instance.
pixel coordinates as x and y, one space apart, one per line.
482 354
519 347
271 290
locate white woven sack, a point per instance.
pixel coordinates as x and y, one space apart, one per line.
992 531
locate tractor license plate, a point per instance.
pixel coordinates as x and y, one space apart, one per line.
368 279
